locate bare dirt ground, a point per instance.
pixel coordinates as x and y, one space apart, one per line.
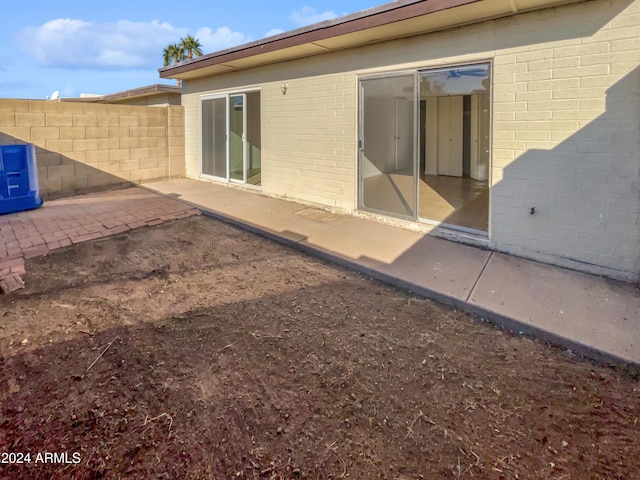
197 350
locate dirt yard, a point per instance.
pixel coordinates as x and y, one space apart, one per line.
197 350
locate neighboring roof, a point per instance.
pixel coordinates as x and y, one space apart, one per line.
125 95
397 19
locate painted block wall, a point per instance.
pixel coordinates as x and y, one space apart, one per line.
565 127
83 147
307 134
566 140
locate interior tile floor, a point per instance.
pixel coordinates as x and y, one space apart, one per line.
459 201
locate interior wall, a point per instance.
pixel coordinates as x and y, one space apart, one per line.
379 152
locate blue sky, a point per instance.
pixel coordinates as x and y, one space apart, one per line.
76 47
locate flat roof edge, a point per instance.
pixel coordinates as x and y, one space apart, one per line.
359 21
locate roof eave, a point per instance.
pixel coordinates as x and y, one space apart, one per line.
292 44
366 19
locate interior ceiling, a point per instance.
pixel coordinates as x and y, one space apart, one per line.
470 13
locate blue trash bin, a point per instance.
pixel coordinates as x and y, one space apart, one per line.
19 189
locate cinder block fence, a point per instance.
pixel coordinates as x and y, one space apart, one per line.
83 147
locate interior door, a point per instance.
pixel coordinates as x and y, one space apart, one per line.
450 122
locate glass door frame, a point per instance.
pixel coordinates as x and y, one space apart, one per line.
227 96
416 72
415 142
214 97
243 96
460 65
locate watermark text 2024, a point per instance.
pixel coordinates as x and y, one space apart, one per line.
40 457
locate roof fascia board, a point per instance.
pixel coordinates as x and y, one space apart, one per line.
366 19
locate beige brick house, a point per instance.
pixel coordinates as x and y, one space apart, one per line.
513 124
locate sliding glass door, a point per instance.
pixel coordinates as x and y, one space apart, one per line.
387 133
253 139
214 137
424 146
454 165
231 144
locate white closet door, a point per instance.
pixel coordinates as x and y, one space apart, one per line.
443 136
450 112
431 161
456 110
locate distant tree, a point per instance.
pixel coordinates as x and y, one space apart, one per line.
173 54
191 46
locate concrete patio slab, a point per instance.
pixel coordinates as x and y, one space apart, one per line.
592 311
350 237
433 265
359 240
590 315
421 261
235 205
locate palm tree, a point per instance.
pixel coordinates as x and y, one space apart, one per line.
191 46
173 54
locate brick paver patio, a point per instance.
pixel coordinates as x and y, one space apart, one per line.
61 223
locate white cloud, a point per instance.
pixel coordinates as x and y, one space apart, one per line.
219 39
124 45
273 31
308 15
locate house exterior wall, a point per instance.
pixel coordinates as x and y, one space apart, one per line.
82 147
565 127
307 135
566 140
